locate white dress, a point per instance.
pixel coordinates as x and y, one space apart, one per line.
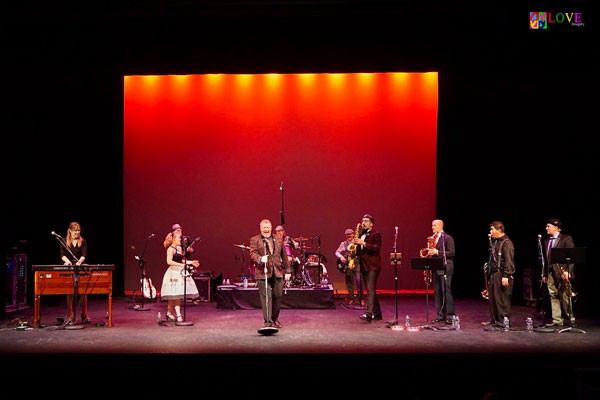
173 281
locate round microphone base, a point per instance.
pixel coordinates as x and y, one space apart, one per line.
74 327
142 309
268 331
184 323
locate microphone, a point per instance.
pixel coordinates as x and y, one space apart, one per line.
396 230
55 234
151 236
281 186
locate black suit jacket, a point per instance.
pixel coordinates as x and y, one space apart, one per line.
370 255
562 241
445 245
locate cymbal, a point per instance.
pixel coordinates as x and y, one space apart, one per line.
301 239
241 246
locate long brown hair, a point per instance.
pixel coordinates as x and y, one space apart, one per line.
74 226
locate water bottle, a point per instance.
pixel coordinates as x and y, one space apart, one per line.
457 322
407 322
529 324
506 324
453 322
158 317
245 282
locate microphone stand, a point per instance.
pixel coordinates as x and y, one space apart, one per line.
140 260
184 273
395 321
540 295
281 212
267 330
74 326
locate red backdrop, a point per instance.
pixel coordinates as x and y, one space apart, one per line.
210 151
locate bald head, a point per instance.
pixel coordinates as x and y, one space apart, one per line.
437 225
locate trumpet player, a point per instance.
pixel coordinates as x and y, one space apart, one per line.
443 247
500 277
558 276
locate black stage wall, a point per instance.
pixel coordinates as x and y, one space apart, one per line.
513 102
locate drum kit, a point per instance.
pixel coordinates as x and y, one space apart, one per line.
308 268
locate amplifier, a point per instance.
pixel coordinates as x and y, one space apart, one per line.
203 284
16 282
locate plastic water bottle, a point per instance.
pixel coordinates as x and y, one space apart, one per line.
529 322
453 323
457 322
407 322
506 324
158 317
245 282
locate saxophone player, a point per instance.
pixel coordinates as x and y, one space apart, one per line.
343 254
369 256
443 247
558 276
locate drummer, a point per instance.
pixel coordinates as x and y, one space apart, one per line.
289 245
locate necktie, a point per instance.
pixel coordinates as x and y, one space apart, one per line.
550 244
269 248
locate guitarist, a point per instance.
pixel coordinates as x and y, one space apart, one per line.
342 253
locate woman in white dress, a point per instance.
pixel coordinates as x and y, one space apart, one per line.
173 281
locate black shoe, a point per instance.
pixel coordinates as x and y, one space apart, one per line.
438 321
553 325
277 324
377 317
267 324
493 328
366 317
487 323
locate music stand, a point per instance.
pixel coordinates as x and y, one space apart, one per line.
427 264
395 259
568 255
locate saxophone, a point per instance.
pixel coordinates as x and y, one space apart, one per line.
423 253
352 250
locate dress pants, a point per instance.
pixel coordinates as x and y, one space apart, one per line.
499 298
370 281
442 287
275 292
559 301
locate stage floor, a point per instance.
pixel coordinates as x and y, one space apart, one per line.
331 342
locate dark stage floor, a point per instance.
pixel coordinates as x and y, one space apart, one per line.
313 347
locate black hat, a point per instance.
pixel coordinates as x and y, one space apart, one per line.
555 222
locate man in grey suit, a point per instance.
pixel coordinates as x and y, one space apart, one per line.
559 276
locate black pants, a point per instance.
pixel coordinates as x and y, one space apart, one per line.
499 298
442 287
370 281
275 291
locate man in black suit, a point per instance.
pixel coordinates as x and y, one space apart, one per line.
369 256
501 268
269 249
558 276
442 279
